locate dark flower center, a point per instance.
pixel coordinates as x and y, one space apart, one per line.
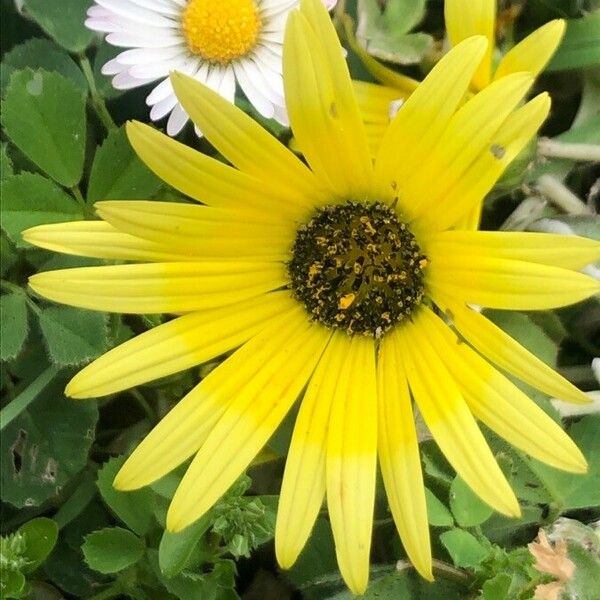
357 267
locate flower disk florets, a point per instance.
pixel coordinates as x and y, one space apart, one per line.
357 267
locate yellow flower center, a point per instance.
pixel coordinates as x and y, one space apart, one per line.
220 30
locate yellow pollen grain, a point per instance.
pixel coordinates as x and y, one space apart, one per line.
220 30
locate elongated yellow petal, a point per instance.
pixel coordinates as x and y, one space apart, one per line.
503 283
98 239
159 287
242 140
448 418
423 118
470 221
177 345
507 353
181 433
501 405
475 17
251 418
303 487
533 53
399 456
374 101
568 252
321 105
352 461
468 135
208 180
202 231
468 192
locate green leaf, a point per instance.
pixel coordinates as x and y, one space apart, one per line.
40 536
45 446
580 47
384 33
8 256
577 491
496 588
14 323
463 547
12 584
467 508
28 200
135 509
73 336
104 53
43 54
437 513
118 174
6 165
587 571
63 21
175 549
44 115
112 549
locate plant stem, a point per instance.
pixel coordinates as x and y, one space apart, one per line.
581 152
97 100
85 207
561 196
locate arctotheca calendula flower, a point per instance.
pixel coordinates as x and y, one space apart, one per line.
344 282
218 42
462 19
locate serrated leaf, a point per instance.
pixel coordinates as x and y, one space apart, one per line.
467 508
437 513
118 174
43 54
28 200
496 588
112 549
580 47
135 509
14 323
8 256
6 166
44 115
175 549
463 547
63 21
45 445
40 536
73 336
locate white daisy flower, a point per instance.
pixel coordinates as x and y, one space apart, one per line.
218 42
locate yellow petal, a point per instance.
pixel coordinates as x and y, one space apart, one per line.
467 137
448 418
243 141
533 53
470 221
177 345
399 456
352 461
507 353
423 118
323 112
568 252
475 17
303 487
98 239
181 433
159 287
501 405
208 180
374 101
509 284
200 230
468 192
250 419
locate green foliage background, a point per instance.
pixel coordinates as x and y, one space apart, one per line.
66 532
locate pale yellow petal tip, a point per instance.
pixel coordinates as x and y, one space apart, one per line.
475 44
555 30
177 521
74 390
125 481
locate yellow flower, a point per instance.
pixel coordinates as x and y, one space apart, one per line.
464 18
336 281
